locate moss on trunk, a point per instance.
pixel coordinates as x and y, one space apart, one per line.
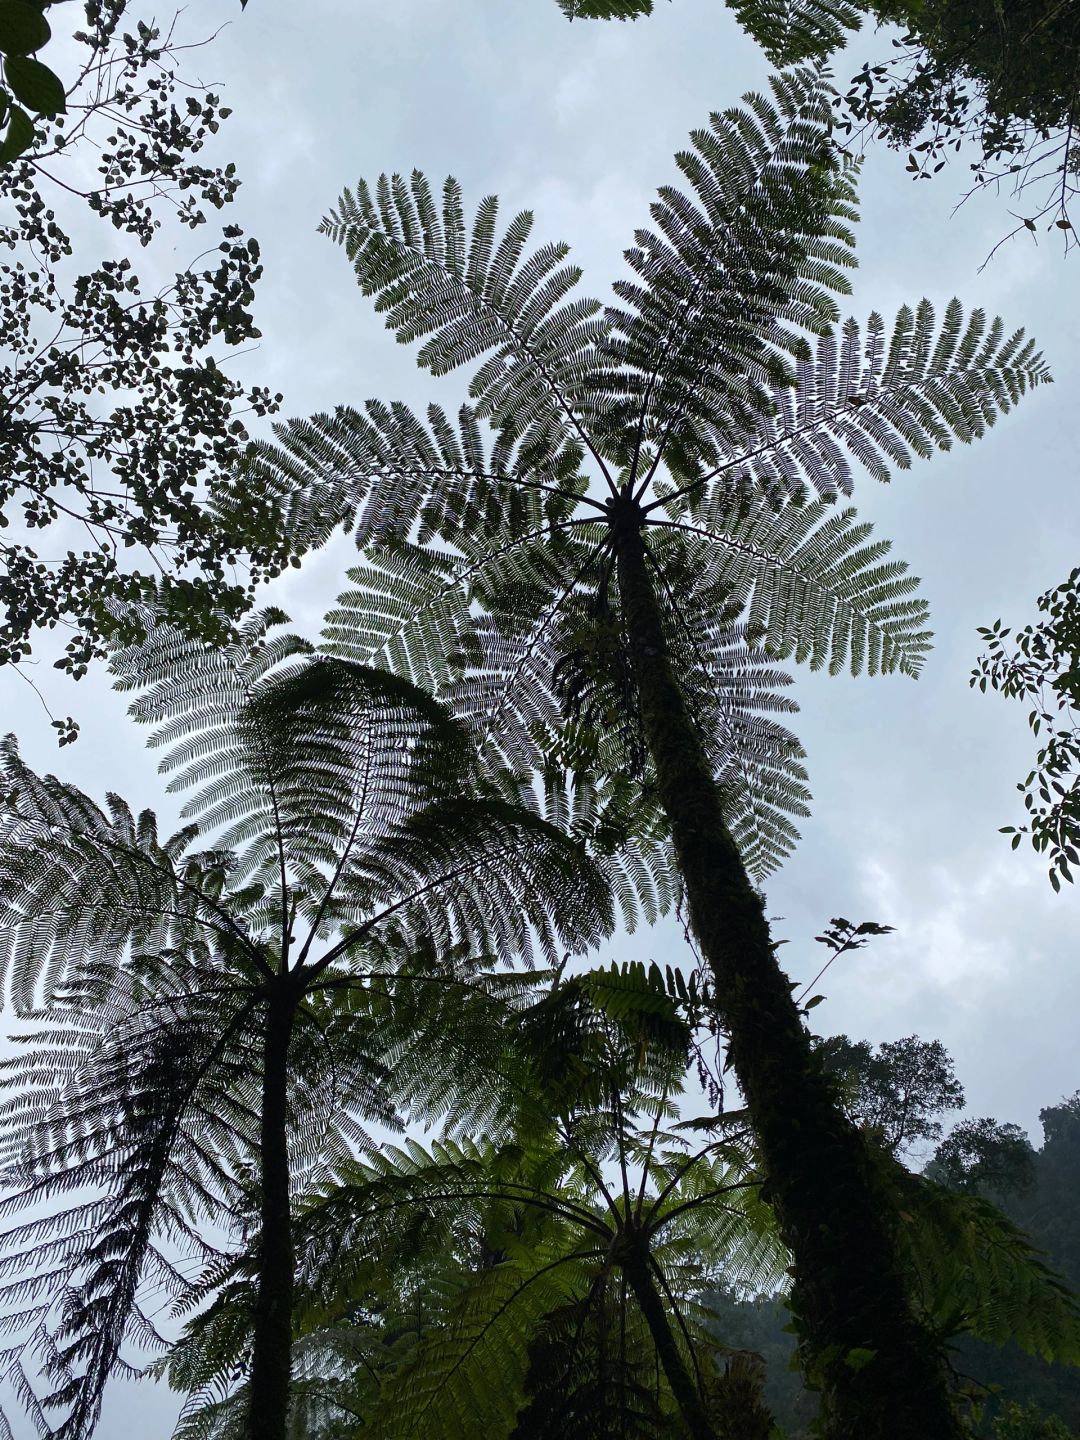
882 1375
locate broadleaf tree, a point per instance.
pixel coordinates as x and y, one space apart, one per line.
119 411
1040 665
227 1010
638 524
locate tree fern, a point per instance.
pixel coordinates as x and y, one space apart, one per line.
358 887
650 551
702 372
501 1244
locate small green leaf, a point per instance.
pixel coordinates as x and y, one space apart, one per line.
23 28
814 1000
35 85
19 137
859 1358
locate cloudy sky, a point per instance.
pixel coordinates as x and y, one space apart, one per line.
579 122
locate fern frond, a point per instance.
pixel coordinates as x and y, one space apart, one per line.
731 279
407 612
978 1272
391 476
480 296
809 581
789 31
117 1125
79 885
879 401
487 870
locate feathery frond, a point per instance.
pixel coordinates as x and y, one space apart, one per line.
705 403
357 864
733 278
789 31
977 1272
477 294
880 401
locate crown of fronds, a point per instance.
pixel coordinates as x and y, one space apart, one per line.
457 1265
346 839
706 402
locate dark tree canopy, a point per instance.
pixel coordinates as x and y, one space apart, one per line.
117 415
986 1156
897 1089
1004 77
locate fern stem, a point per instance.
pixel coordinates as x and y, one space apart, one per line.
272 1332
883 1375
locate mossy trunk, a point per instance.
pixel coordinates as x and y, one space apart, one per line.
881 1374
687 1396
271 1358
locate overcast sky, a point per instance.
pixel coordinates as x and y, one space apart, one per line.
579 122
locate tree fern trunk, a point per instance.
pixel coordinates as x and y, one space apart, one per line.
882 1376
272 1345
636 1269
